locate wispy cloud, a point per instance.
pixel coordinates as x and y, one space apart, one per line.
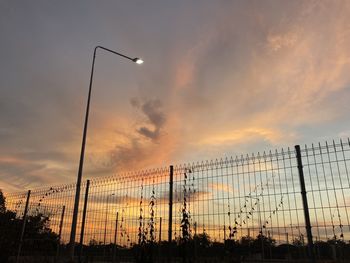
256 75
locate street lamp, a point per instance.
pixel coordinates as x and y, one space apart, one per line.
82 153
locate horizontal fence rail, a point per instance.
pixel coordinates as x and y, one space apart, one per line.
224 200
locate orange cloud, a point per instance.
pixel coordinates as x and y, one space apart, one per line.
247 134
221 187
11 160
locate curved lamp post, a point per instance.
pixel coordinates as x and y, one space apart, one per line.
82 153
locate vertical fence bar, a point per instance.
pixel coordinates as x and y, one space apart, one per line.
23 226
83 220
195 237
261 233
171 183
305 204
115 237
160 229
105 231
60 233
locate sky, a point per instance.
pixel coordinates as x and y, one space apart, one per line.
220 78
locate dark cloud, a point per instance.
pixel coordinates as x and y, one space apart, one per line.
135 102
152 109
115 199
178 197
129 157
149 133
136 152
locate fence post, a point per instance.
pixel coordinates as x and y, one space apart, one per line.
60 233
171 182
115 237
305 204
23 226
83 220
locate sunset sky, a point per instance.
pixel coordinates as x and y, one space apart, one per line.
220 78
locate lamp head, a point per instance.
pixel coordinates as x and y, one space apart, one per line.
138 61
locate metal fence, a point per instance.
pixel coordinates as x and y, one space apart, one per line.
225 199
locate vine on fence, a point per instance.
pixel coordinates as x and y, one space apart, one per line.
151 212
274 212
185 223
123 229
234 230
141 234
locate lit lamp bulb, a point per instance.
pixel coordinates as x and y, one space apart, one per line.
138 61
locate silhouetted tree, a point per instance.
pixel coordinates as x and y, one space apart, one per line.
203 240
38 236
247 241
2 202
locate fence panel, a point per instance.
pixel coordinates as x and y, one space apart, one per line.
250 199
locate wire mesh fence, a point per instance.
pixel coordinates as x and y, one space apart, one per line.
250 200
